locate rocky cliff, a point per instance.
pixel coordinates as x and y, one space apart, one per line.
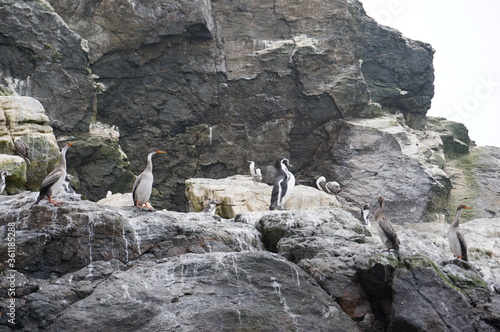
95 268
218 83
214 83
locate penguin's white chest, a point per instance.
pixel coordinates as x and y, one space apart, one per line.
290 185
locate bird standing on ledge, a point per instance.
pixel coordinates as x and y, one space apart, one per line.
22 149
54 180
211 207
365 214
456 238
141 191
386 230
283 184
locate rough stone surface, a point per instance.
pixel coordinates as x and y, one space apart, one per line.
476 181
43 58
327 273
217 83
24 117
238 194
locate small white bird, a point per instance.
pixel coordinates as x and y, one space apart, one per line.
255 173
258 176
211 207
3 174
143 185
365 214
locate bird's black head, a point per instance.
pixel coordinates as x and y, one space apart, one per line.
367 206
155 150
462 206
380 201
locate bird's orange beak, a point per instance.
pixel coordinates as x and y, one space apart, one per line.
468 208
158 151
70 144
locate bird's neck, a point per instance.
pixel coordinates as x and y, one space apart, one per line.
379 211
456 222
149 165
62 162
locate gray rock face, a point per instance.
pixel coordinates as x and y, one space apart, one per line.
218 83
89 267
43 58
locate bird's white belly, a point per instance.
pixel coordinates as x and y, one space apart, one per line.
454 243
55 187
143 190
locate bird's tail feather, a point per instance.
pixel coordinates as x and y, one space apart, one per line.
36 202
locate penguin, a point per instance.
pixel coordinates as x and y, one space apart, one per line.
211 206
3 182
365 214
283 184
66 187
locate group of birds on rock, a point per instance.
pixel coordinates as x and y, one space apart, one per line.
284 184
390 238
141 190
285 181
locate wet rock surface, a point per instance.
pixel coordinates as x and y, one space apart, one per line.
89 266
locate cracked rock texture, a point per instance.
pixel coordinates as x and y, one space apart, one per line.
94 267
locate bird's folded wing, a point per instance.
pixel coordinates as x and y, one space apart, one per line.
50 180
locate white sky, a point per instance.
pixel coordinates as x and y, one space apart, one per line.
466 37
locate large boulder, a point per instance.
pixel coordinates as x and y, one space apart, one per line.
25 118
43 58
217 83
238 194
170 270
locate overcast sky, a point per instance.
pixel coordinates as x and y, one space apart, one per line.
466 37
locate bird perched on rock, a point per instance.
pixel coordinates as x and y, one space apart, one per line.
255 173
456 238
22 149
3 182
66 187
283 184
141 191
386 230
331 187
211 206
365 214
54 180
